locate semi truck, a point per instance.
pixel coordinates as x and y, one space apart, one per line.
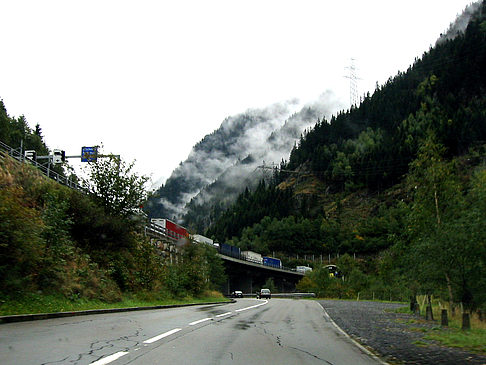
171 229
272 261
303 269
252 256
229 250
201 239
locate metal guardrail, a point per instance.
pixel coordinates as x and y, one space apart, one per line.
17 154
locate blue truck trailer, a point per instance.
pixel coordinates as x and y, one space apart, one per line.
272 261
229 250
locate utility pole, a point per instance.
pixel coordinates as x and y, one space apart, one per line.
353 84
265 172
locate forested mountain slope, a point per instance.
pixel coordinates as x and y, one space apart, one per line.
223 162
369 149
371 146
400 181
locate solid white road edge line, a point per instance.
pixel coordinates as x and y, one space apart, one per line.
168 333
108 359
253 306
200 321
352 339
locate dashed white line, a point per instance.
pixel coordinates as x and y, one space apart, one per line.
200 321
222 315
168 333
115 356
108 359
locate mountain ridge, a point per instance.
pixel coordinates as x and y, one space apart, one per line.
254 136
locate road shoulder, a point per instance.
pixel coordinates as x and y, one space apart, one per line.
394 337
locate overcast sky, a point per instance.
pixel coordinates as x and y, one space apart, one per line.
149 79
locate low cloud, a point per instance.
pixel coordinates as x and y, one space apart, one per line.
225 161
460 24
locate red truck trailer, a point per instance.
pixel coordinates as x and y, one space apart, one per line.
172 229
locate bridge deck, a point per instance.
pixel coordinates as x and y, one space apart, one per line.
260 266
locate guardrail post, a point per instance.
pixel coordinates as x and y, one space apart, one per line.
444 320
429 316
466 321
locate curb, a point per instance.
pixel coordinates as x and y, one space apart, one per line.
41 316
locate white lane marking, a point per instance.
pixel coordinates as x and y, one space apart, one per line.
200 321
117 355
108 359
222 315
253 306
168 333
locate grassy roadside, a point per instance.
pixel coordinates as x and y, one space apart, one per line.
453 336
35 303
473 340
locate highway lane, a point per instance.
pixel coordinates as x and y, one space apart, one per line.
278 331
85 339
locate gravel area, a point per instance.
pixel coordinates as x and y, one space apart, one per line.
396 337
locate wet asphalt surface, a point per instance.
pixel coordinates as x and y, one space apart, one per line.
247 331
395 337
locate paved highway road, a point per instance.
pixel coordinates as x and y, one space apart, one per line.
277 331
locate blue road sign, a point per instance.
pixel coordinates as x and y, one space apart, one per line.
89 154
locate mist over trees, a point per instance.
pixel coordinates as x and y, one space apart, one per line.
224 162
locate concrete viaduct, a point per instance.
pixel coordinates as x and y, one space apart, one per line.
249 276
243 275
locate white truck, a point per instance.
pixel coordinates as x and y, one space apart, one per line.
303 269
252 256
202 239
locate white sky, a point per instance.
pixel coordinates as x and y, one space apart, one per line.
149 79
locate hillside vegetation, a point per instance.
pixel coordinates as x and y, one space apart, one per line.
399 181
55 241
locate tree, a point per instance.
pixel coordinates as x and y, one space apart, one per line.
446 249
270 284
115 187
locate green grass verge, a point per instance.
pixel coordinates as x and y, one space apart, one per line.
471 340
35 303
453 336
405 309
